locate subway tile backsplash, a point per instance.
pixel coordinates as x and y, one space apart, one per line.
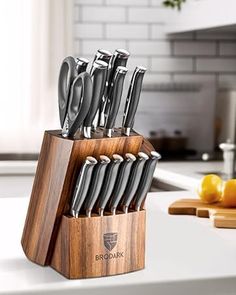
140 27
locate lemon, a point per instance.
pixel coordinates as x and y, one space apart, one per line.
210 188
229 193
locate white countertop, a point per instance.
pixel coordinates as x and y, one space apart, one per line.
184 255
187 174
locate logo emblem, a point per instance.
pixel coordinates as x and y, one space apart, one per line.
110 240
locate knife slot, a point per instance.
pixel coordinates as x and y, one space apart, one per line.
100 246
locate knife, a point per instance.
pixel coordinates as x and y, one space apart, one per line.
96 184
121 182
108 184
98 75
132 99
146 180
81 64
133 181
82 185
104 55
114 98
119 58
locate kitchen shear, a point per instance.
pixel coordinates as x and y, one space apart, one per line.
74 96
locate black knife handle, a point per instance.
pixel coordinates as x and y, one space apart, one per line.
146 180
114 98
104 55
66 76
82 185
134 180
121 182
108 184
81 64
96 184
79 103
98 75
133 97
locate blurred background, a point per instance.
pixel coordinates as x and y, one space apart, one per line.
187 105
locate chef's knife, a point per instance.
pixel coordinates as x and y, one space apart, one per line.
114 98
96 184
133 181
108 184
82 185
81 64
121 182
132 99
119 58
146 180
98 74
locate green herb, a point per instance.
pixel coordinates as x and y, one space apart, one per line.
174 3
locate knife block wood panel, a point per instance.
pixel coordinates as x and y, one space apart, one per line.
58 165
220 216
100 245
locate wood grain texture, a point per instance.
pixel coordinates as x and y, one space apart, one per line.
58 166
80 251
220 216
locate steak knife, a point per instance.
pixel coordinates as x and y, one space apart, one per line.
81 64
113 101
134 180
98 75
108 184
146 180
96 184
132 99
121 182
82 185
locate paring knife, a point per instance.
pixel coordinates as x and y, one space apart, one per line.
98 75
108 184
146 180
132 99
81 64
121 182
119 58
113 101
133 181
82 185
96 184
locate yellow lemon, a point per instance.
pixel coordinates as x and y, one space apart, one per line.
229 193
210 188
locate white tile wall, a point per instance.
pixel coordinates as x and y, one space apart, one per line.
140 27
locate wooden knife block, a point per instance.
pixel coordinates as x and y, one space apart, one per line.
70 245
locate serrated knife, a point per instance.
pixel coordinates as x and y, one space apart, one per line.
108 184
82 185
132 100
96 184
113 101
98 75
133 181
121 182
146 180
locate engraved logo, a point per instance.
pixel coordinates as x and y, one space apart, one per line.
110 240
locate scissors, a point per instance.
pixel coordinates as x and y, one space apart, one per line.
74 96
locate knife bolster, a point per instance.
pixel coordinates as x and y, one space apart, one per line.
100 246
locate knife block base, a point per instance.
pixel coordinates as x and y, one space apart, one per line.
100 245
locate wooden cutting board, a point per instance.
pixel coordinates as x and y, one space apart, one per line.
220 216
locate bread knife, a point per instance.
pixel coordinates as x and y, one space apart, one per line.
146 180
121 182
133 181
113 101
96 184
98 75
82 185
132 99
108 184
